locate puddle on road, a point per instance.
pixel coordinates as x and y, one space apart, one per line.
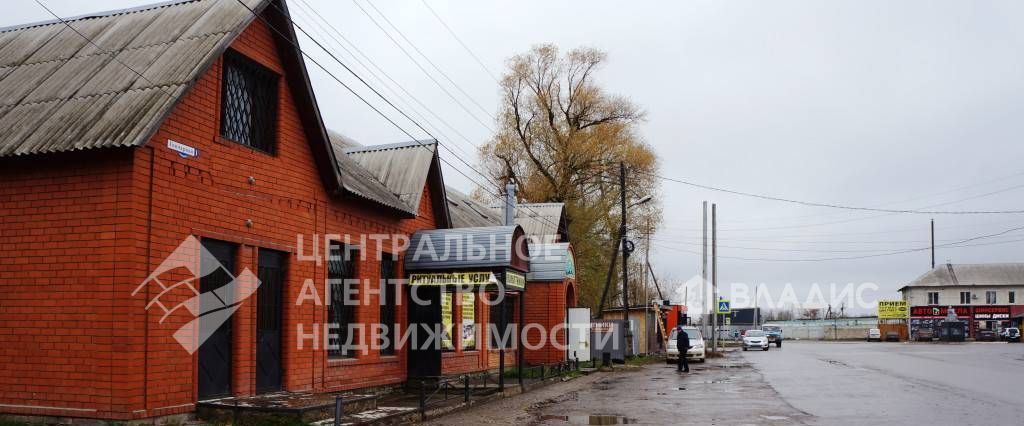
591 420
775 417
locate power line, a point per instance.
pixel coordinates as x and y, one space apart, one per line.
424 70
831 205
310 11
456 37
882 254
417 49
778 249
925 196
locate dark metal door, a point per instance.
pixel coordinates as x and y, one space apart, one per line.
215 352
268 320
424 315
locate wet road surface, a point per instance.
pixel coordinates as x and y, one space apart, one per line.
897 383
721 391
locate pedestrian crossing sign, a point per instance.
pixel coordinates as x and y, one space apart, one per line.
723 307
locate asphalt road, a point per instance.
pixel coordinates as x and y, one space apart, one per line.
898 383
721 391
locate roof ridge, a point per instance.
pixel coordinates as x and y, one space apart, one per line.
95 15
390 146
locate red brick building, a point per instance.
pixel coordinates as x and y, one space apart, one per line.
188 134
151 126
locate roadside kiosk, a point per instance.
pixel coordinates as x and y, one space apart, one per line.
465 281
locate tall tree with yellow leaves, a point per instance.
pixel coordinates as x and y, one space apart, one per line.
560 138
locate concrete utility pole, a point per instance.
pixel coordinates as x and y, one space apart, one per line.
756 312
704 260
714 278
933 243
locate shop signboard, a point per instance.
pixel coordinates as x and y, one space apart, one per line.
515 281
939 311
892 309
991 312
453 278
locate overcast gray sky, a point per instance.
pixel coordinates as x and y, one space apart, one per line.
868 103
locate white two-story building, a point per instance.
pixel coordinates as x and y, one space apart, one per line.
985 296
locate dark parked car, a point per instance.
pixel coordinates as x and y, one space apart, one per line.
1011 335
987 336
892 336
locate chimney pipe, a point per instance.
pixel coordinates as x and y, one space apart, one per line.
510 204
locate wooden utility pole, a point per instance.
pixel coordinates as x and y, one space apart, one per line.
625 252
647 263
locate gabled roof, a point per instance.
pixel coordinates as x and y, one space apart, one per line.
469 213
59 92
980 274
393 175
543 222
402 167
360 182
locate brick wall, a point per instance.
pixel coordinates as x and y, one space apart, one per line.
61 238
546 304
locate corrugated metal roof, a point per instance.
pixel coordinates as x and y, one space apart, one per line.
548 262
981 274
359 181
469 213
402 167
461 248
59 93
541 221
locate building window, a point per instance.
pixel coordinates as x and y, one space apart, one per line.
933 298
990 297
343 279
388 306
965 298
1012 297
248 113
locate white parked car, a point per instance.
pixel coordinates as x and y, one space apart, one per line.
695 353
875 334
755 339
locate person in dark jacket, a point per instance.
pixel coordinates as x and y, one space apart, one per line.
683 344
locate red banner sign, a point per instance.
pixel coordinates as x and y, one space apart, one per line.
939 311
